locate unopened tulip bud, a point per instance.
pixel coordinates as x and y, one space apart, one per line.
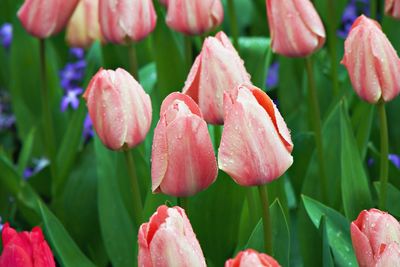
376 239
392 8
119 108
168 240
194 17
84 28
295 26
126 19
252 258
217 69
25 249
371 61
43 18
183 161
256 144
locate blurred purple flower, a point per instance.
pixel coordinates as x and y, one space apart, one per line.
72 74
395 159
71 98
77 52
273 76
38 165
370 162
6 35
88 128
1 225
353 9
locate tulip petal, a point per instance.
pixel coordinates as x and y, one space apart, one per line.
192 83
390 256
362 247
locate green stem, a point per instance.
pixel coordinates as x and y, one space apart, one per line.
217 135
188 51
332 47
133 65
137 199
317 125
251 202
384 155
46 113
262 189
233 23
373 8
183 202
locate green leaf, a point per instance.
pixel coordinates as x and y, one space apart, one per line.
326 250
26 151
338 231
355 190
361 120
67 252
118 231
392 198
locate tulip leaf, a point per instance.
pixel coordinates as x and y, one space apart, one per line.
338 231
392 198
26 151
118 231
355 189
362 118
67 252
326 250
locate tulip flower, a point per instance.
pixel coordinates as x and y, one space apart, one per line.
218 68
119 108
42 18
256 144
194 17
168 240
371 61
183 161
126 19
295 26
376 239
25 249
252 258
392 8
84 28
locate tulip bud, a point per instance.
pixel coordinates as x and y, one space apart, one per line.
84 28
122 19
42 18
25 249
119 108
376 239
194 17
218 68
168 240
256 144
371 61
392 8
252 258
183 161
295 27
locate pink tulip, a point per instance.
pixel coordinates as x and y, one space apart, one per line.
252 258
42 18
371 61
376 239
119 108
295 26
194 17
126 19
25 249
256 144
218 68
168 240
84 28
392 8
183 161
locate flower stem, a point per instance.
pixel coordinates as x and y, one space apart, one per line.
317 125
332 47
137 199
133 64
262 189
233 23
384 155
46 113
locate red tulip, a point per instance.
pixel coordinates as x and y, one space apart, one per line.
252 258
168 240
119 108
392 8
376 239
183 161
295 26
84 28
218 68
126 19
43 18
371 61
25 249
256 144
194 17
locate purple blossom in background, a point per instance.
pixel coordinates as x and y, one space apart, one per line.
77 53
6 35
353 9
7 119
71 99
88 128
273 76
38 165
395 159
